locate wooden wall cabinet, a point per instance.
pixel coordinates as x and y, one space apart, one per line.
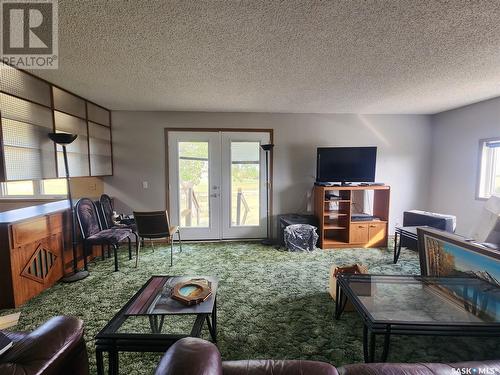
31 258
35 251
337 229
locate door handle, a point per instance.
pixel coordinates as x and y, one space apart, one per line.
214 195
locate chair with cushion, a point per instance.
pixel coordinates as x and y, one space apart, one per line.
94 234
56 347
155 225
106 207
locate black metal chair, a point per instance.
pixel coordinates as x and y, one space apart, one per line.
105 205
154 225
94 234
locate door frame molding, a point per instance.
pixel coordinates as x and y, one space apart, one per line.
216 130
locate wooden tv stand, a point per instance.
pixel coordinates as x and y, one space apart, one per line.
336 227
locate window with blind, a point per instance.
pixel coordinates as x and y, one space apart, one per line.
27 152
489 174
30 108
78 151
100 150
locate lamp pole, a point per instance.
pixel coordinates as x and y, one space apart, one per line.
268 241
64 139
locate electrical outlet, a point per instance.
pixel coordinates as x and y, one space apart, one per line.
145 184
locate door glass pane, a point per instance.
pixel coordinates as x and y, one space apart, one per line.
245 172
193 184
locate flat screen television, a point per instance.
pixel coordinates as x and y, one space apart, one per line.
346 164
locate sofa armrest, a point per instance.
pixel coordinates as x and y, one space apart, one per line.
191 356
270 367
388 368
50 349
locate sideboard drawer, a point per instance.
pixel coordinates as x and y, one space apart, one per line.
55 223
30 231
36 229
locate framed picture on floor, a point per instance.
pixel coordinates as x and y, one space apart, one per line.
445 254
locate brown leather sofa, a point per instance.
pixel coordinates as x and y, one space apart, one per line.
56 347
192 356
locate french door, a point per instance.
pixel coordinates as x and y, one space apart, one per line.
217 186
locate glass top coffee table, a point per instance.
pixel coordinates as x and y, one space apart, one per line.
418 305
141 326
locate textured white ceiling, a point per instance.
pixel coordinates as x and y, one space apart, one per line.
343 56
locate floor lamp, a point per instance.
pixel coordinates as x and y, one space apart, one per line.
269 238
64 139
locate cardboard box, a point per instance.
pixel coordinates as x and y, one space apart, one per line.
335 270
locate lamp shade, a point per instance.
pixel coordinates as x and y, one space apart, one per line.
62 138
268 147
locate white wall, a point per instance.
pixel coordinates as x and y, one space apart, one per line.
456 136
404 148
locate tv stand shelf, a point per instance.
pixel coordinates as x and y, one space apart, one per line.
336 227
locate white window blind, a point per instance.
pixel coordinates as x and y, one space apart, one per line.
68 103
28 153
30 108
100 150
97 114
78 152
23 85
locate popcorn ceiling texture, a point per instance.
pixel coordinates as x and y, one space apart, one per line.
314 56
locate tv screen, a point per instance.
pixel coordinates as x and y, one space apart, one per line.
346 164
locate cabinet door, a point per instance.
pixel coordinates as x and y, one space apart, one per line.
36 266
358 233
377 234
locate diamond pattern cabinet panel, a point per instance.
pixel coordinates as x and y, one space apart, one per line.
32 258
40 265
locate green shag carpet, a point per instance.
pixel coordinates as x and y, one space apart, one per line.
271 304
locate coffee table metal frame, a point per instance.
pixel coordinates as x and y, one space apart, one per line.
372 328
113 343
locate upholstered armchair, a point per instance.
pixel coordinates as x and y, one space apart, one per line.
56 347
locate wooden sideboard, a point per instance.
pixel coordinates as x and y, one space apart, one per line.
338 229
35 251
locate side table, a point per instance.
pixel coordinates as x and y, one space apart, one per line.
404 232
